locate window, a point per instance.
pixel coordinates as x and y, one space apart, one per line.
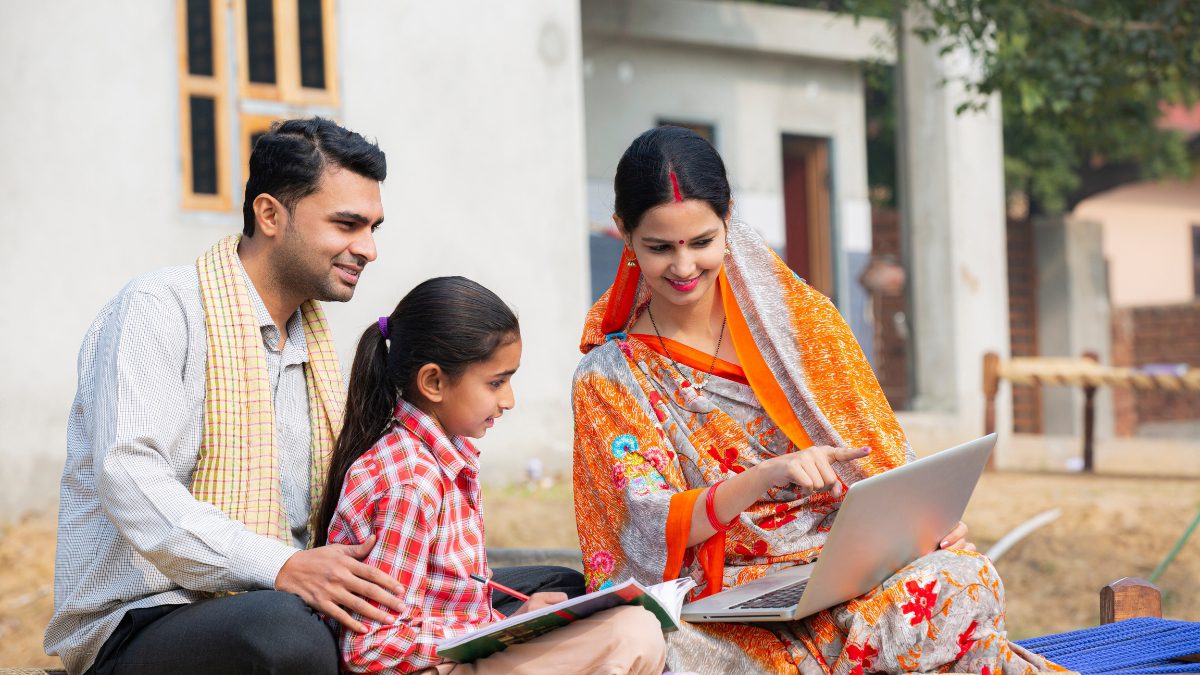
285 46
203 105
706 131
254 126
284 57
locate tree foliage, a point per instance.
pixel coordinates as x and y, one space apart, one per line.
1082 83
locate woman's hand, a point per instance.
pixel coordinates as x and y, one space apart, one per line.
811 470
957 538
540 600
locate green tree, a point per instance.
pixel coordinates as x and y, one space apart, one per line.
1082 83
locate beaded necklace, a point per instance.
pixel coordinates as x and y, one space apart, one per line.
670 358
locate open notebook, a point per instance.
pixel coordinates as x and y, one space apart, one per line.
664 600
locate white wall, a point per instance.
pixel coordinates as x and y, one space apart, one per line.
478 106
89 194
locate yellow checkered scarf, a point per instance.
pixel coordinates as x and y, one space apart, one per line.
238 467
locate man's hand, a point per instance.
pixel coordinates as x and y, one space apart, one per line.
331 579
540 600
957 538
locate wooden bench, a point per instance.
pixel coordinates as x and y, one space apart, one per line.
1129 598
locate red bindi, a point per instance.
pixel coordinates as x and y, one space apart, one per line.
681 242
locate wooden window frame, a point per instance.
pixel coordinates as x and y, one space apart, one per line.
215 87
709 128
287 88
250 125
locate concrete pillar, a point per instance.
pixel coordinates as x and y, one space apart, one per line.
1073 315
952 197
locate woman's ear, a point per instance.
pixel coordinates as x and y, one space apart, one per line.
620 225
431 382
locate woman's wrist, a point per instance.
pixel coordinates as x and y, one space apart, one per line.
710 509
761 474
742 490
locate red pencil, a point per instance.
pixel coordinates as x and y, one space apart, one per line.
500 587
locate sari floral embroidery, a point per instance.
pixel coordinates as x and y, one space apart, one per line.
923 597
862 657
781 516
637 470
727 460
966 641
648 442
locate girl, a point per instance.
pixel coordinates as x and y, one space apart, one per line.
437 370
720 410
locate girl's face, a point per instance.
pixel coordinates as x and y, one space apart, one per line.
680 248
471 403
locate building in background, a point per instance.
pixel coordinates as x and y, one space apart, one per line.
127 126
1150 234
1118 277
778 91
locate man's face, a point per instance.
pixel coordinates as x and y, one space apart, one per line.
329 237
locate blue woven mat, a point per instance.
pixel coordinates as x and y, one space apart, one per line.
1142 645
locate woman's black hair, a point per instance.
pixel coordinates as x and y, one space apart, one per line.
449 321
662 161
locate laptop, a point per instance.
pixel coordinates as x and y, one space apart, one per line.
885 522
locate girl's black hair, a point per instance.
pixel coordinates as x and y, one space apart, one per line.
450 321
643 179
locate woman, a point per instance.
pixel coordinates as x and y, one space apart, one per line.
721 408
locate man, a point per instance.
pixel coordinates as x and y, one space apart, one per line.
209 397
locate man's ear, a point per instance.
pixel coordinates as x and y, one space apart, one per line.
270 217
431 382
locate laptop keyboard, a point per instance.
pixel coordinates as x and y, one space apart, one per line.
780 597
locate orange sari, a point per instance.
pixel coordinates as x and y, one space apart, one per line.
651 435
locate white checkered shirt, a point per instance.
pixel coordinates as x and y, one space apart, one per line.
130 534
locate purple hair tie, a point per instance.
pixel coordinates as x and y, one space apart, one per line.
383 327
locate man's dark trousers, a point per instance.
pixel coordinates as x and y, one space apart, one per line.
267 632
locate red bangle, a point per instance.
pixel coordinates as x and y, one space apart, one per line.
710 509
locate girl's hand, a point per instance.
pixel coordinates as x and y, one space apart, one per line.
540 600
957 538
811 470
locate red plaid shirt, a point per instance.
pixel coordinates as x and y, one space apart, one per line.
418 492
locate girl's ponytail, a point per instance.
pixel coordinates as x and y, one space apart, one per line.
370 400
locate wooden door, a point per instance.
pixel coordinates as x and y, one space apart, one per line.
809 241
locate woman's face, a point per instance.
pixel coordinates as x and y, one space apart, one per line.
680 247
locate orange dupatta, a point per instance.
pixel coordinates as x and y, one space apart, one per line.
798 356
